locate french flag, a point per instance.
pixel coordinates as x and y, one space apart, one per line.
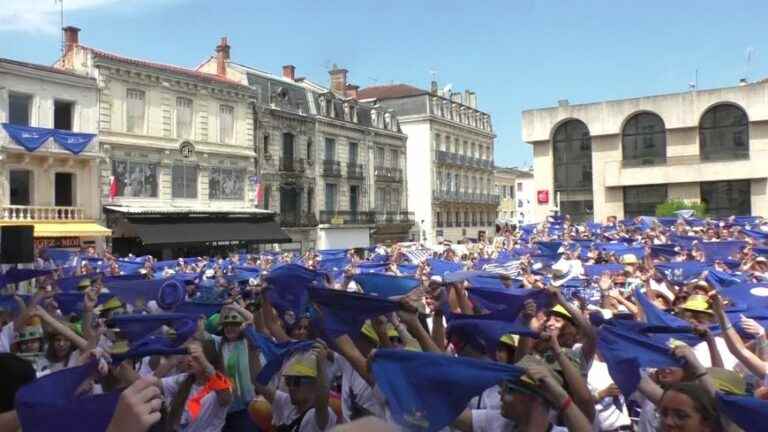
112 187
258 191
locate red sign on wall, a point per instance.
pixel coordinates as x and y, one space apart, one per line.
542 196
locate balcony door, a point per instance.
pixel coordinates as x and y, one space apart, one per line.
64 193
353 152
289 204
354 198
288 152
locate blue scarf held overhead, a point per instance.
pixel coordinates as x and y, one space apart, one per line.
385 285
275 354
49 404
416 385
626 349
745 411
345 312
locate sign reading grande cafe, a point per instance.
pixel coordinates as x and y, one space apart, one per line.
57 242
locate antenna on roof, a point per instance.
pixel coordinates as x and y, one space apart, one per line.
433 73
373 79
61 22
748 56
693 85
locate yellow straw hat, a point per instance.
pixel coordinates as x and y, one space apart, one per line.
697 303
302 365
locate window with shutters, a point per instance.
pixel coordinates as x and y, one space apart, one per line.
183 117
136 111
226 123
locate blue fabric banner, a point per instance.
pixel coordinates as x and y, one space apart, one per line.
28 137
72 141
31 138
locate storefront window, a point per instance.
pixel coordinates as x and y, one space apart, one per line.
226 184
135 179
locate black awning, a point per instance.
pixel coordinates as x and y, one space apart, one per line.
165 231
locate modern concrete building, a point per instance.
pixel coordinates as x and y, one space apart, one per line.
515 188
50 155
178 154
449 159
624 157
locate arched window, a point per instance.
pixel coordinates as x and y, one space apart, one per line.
724 133
644 140
572 156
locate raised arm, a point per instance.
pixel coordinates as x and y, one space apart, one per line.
582 396
321 397
61 328
588 333
735 344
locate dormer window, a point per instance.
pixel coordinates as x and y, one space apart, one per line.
354 113
347 114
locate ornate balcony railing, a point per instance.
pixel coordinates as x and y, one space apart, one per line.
355 170
34 213
292 165
332 168
394 217
388 173
297 220
347 217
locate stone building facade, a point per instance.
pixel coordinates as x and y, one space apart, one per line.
53 187
176 143
450 159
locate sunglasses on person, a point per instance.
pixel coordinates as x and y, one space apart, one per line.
298 381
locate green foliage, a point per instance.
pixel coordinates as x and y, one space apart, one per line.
669 208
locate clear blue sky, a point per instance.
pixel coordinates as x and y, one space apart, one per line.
515 54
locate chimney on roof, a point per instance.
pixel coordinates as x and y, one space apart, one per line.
338 80
71 37
351 91
222 57
473 100
563 103
289 71
467 98
743 82
433 88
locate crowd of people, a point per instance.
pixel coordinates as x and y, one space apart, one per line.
638 325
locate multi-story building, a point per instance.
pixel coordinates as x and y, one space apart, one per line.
331 166
450 159
516 191
624 157
49 155
179 154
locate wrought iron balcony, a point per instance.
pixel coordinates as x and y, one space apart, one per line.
289 165
355 170
347 217
394 218
386 173
297 220
331 168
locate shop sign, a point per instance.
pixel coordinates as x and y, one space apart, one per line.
57 242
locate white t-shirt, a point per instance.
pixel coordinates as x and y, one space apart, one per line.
730 362
212 415
608 415
284 412
354 388
489 399
6 337
487 420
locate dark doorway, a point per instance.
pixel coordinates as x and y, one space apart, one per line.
64 196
